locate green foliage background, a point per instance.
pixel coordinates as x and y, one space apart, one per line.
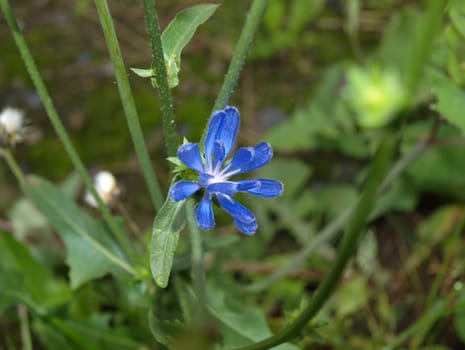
325 80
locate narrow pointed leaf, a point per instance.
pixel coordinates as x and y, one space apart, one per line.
168 224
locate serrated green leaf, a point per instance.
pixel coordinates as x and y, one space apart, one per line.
143 73
168 224
91 253
181 29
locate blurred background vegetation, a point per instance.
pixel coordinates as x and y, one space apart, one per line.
300 91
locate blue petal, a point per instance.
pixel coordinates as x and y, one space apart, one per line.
189 154
247 228
242 157
183 189
219 154
204 213
267 188
261 156
226 187
248 185
235 209
223 127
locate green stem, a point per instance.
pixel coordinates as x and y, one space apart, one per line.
58 125
169 127
198 273
129 105
241 50
12 164
348 245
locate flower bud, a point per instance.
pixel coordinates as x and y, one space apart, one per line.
11 126
107 188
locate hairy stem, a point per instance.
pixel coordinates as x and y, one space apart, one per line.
153 28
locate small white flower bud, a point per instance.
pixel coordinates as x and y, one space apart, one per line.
106 186
11 126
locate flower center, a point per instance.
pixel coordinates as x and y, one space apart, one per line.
208 179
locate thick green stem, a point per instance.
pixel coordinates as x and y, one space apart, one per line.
166 100
58 125
345 252
241 51
129 105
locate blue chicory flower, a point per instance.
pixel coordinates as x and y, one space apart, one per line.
214 172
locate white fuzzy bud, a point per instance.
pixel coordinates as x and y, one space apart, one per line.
106 186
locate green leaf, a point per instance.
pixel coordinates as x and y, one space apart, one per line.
35 277
13 289
180 30
91 253
396 44
241 324
26 218
165 331
457 15
440 171
143 73
351 297
166 228
100 329
175 37
49 337
451 100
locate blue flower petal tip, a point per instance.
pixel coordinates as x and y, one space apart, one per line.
214 172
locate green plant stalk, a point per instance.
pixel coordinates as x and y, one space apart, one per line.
169 126
58 125
241 51
12 164
25 329
198 273
129 105
348 245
